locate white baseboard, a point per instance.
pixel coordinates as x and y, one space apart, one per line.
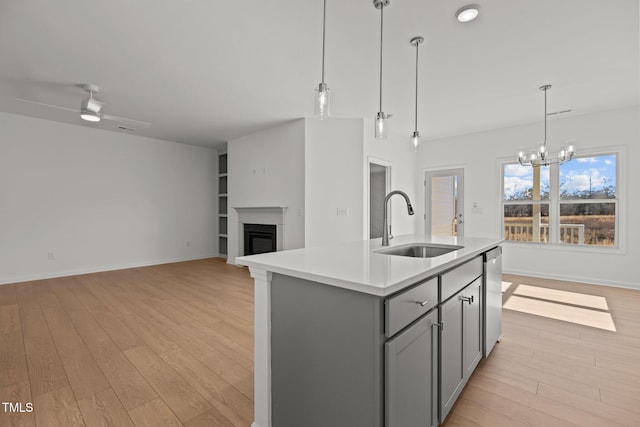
589 280
75 272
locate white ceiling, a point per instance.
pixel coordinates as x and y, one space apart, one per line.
206 71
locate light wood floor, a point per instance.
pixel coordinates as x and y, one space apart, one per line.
172 345
583 369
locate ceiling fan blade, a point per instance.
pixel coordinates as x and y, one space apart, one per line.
125 120
48 105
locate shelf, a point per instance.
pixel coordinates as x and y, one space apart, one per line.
223 202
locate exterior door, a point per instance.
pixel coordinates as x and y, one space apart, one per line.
444 202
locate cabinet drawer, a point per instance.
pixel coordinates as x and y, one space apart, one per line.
407 306
460 277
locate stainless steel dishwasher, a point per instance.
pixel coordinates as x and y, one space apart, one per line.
492 298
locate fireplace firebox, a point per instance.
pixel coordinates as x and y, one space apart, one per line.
259 238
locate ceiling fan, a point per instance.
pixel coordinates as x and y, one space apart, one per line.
91 109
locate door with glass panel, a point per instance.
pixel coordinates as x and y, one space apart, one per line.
444 202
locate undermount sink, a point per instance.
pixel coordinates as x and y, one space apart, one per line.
420 250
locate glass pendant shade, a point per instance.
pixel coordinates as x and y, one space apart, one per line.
322 101
381 126
415 139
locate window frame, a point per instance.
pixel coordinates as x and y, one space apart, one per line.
554 203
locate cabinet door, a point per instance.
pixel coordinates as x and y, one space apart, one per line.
411 375
451 351
472 314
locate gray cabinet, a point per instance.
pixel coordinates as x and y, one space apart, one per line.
451 372
461 342
472 332
411 370
343 358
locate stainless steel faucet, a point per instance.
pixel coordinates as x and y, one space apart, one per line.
385 226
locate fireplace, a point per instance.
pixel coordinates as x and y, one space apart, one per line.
272 216
259 238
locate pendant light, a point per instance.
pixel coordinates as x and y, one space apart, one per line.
541 156
416 41
322 98
381 117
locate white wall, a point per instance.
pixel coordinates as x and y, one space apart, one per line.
333 180
267 169
99 200
397 150
479 153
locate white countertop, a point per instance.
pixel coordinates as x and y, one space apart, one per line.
356 265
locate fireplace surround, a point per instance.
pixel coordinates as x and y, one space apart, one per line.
273 215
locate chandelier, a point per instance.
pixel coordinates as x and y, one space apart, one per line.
542 157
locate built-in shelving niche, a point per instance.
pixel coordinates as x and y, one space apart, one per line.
223 205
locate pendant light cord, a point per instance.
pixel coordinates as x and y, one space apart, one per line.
381 32
416 121
324 28
545 117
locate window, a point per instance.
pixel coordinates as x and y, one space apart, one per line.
575 203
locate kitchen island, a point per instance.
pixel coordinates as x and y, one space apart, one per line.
329 321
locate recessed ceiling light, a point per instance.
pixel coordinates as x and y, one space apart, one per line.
468 13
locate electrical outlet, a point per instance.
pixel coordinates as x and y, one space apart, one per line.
50 256
188 243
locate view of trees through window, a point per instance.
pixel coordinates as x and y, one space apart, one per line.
581 204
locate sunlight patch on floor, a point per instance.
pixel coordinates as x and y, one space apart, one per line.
506 286
574 298
558 309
